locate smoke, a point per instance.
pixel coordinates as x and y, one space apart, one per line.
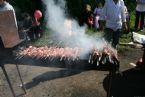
67 30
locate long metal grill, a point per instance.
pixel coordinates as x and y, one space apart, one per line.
106 55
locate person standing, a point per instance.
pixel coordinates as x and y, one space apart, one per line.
98 21
114 15
140 13
37 24
28 27
4 6
127 19
87 16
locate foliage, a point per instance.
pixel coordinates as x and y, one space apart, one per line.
21 6
131 5
75 9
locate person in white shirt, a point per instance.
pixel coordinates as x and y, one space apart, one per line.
97 18
4 6
127 19
114 15
140 12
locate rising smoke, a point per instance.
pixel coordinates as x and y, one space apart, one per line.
68 30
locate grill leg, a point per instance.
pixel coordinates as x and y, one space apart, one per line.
110 84
8 80
21 78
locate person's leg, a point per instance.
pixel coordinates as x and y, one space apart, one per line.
143 58
142 20
108 35
40 31
141 62
137 19
128 23
100 25
1 44
116 36
37 32
31 35
97 22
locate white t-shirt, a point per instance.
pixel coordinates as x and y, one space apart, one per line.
140 5
98 12
114 14
6 7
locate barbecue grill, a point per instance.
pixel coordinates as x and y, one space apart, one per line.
67 55
49 53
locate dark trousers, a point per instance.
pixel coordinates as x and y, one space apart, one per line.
37 31
31 34
112 36
1 44
143 58
138 16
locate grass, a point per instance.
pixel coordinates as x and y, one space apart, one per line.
125 38
45 39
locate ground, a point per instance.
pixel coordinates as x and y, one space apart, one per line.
44 78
